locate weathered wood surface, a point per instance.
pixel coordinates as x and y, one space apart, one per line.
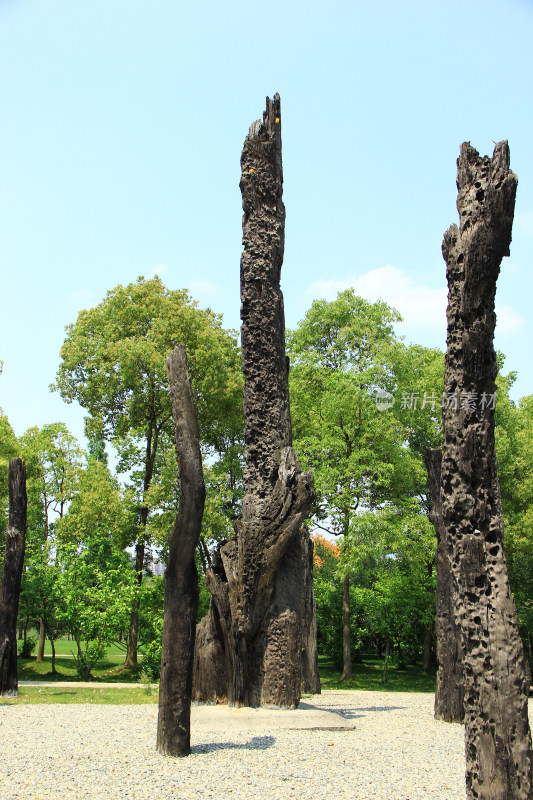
497 735
11 577
449 687
261 587
181 578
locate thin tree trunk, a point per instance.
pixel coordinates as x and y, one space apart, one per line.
133 632
427 659
181 578
449 705
21 629
53 656
346 632
11 577
42 639
497 735
385 673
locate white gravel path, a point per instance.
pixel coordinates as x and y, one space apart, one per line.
389 748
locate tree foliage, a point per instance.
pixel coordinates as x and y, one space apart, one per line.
113 362
96 581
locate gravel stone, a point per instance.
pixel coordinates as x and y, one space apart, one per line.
389 748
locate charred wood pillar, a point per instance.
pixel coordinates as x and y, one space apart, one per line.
261 587
181 578
449 688
497 735
11 577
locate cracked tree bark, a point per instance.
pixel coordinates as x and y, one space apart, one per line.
261 592
11 577
497 735
181 578
449 688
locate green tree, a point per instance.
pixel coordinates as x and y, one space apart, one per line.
53 459
40 592
97 582
365 406
391 553
342 354
113 362
514 450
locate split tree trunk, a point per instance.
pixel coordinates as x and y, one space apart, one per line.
181 577
11 577
259 597
449 688
497 735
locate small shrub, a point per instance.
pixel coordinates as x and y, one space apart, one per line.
152 660
25 648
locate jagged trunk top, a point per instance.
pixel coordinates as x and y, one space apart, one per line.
266 389
486 190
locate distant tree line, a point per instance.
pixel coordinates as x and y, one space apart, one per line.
93 536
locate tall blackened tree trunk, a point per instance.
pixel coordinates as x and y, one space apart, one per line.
449 689
497 735
181 577
259 587
11 577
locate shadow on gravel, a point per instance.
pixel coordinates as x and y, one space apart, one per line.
352 713
256 743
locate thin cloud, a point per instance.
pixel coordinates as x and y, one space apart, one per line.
421 306
200 287
80 294
524 223
158 270
508 321
418 304
82 298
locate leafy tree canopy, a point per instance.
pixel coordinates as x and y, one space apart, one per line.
113 362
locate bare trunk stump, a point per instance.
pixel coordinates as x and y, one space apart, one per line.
11 577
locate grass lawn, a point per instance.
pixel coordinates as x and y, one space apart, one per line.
67 647
137 695
109 670
367 675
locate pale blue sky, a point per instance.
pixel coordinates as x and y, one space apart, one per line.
121 130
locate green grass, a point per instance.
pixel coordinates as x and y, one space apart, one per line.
107 670
67 647
367 676
31 695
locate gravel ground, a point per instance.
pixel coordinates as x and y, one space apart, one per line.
388 748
